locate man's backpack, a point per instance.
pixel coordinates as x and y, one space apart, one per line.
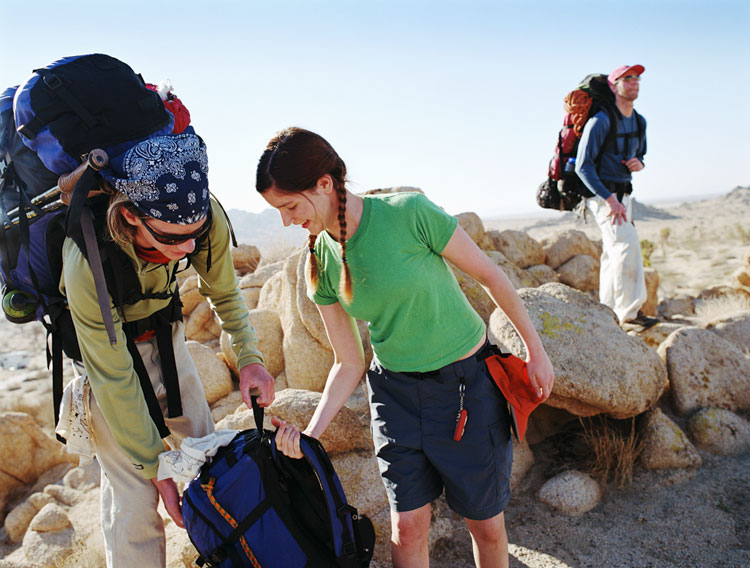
563 189
253 506
61 113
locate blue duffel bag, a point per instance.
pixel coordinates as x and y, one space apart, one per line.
253 506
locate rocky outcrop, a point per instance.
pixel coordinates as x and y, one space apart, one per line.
580 272
189 294
267 325
245 258
568 244
720 432
472 224
676 306
523 460
705 371
345 434
735 329
214 374
517 246
665 445
598 367
543 273
307 354
27 452
202 325
251 284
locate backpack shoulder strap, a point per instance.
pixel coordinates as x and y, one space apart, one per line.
641 122
205 240
611 135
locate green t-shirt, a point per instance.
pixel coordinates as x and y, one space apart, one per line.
418 317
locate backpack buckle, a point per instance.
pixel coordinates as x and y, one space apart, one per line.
216 557
52 81
345 509
349 549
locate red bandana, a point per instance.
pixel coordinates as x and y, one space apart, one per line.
151 255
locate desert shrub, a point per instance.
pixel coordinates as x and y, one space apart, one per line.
647 249
664 235
614 447
740 233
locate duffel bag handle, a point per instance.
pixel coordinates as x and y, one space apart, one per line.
257 413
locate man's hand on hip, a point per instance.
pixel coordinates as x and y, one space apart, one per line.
633 164
616 210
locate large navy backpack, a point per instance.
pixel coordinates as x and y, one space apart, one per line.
47 124
253 506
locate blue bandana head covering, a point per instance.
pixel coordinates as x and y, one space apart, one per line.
166 177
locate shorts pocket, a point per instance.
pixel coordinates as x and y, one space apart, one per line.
502 449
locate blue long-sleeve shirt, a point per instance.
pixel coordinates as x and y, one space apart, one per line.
625 146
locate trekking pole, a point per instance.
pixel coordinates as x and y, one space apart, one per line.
41 200
96 160
59 196
49 205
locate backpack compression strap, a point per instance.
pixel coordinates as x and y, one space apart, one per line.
56 87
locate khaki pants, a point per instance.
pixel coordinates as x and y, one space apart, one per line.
133 530
622 285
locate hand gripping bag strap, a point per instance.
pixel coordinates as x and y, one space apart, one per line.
258 414
275 497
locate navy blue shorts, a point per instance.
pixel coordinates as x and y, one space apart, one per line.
413 423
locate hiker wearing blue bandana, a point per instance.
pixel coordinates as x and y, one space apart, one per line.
143 392
381 259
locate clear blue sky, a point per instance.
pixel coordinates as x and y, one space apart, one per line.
460 98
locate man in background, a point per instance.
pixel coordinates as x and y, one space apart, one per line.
622 284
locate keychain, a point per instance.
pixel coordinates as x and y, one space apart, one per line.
463 414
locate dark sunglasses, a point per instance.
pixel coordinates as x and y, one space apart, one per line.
178 239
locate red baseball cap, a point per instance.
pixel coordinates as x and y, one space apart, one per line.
623 70
511 377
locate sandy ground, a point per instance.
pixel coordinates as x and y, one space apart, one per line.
685 518
672 519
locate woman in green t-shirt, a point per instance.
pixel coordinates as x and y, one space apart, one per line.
381 259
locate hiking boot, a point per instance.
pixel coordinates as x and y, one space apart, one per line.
642 320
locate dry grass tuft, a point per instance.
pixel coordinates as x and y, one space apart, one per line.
709 310
81 558
614 449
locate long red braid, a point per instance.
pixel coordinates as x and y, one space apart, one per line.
345 281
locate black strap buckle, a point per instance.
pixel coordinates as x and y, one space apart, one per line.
52 81
216 557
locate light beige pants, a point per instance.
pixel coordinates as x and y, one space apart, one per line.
133 530
622 285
